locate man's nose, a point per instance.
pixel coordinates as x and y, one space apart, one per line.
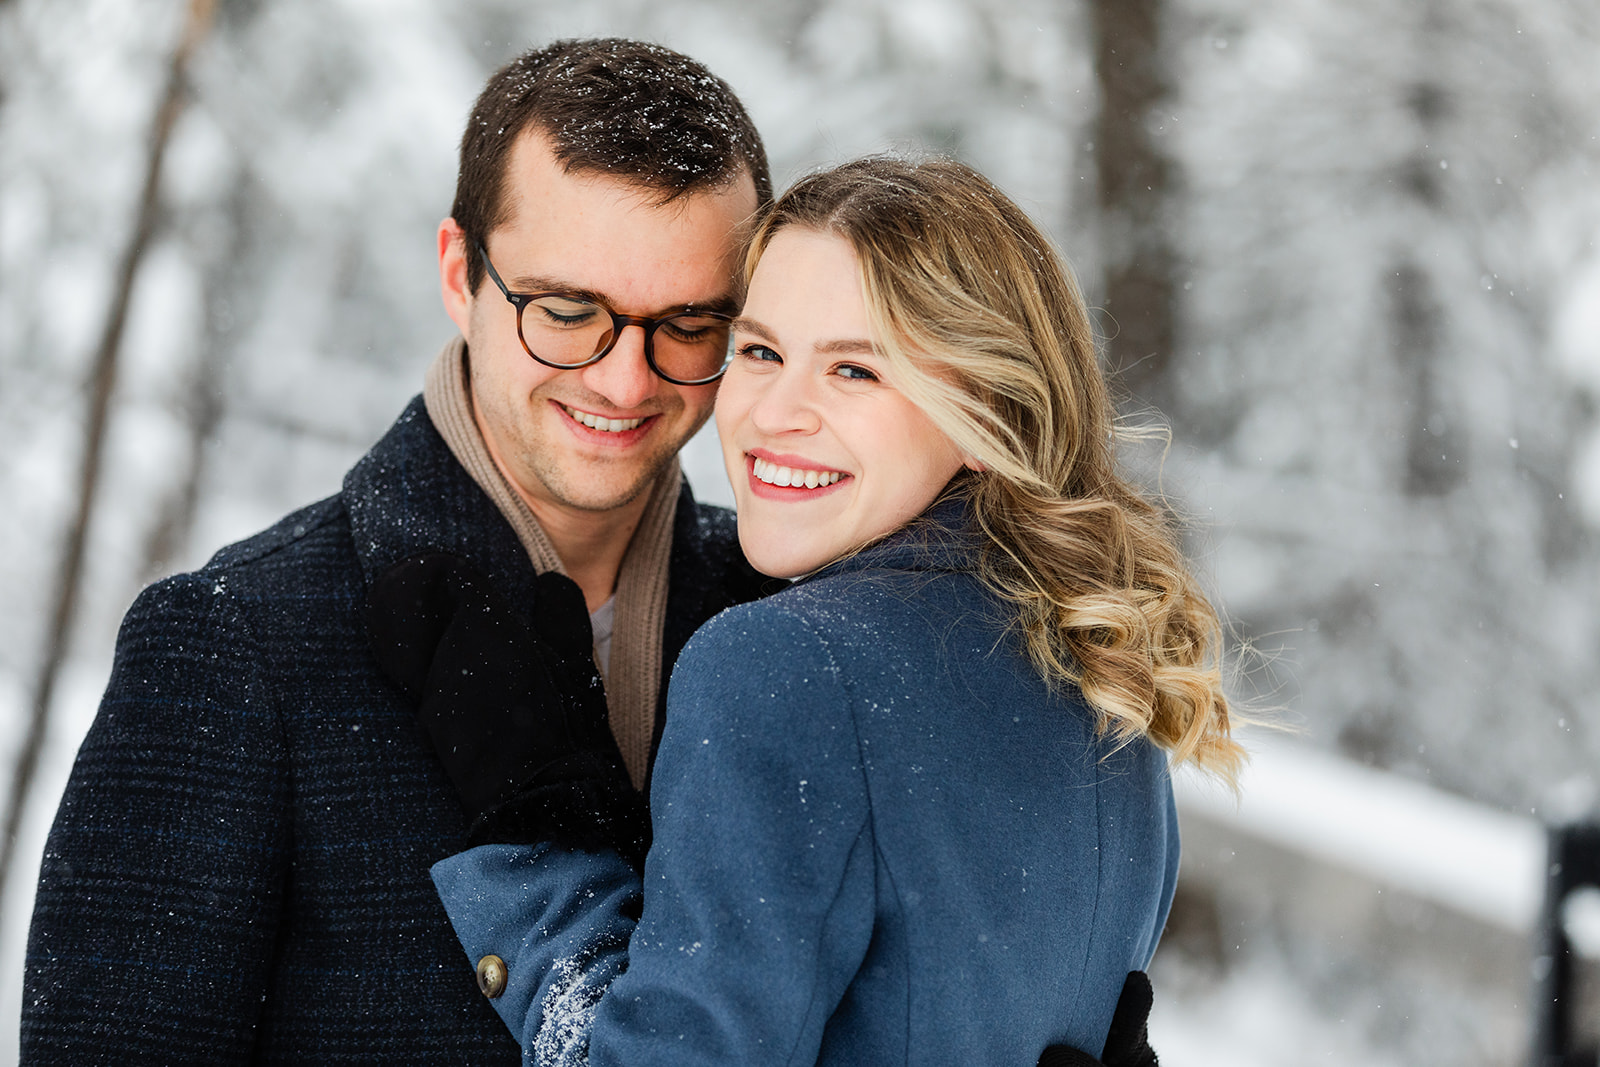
624 376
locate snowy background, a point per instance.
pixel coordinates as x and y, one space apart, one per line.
1384 381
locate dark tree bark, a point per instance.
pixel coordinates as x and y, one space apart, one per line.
1435 445
102 382
204 405
1435 441
202 410
1135 185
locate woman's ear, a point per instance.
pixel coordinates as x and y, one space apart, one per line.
972 464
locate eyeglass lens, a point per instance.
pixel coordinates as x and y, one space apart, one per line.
570 332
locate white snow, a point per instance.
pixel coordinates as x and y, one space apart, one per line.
1452 635
1475 859
1258 1016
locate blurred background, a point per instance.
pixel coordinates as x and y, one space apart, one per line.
1346 248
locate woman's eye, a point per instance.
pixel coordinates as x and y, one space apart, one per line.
855 373
759 353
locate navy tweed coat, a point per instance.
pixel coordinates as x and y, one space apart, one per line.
238 872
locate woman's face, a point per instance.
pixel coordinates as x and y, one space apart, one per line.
824 453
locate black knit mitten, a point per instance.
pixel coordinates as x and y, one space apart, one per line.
1128 1041
516 714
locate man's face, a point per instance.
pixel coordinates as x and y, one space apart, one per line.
550 429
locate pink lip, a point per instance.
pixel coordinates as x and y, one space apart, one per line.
788 493
619 439
788 459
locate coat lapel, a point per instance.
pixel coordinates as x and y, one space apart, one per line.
409 494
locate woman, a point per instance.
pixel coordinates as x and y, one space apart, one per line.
916 807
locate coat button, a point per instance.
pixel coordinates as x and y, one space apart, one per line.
491 976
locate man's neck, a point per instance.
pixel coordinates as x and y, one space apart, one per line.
591 544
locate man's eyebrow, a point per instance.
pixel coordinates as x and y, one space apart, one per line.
845 347
535 283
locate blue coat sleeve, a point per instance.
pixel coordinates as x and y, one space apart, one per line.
162 881
757 896
560 920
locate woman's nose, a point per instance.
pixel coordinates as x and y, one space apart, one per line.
788 404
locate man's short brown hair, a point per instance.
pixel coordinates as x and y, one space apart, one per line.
637 111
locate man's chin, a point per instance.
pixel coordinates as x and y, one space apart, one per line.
601 491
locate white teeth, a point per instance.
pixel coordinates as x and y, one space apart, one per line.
773 474
601 423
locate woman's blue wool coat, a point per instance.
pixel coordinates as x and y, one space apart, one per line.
880 838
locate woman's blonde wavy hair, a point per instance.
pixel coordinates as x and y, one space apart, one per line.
983 327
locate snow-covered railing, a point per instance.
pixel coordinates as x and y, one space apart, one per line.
1477 860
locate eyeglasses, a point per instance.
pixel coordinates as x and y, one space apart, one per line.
567 331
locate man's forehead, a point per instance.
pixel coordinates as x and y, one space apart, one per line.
594 234
535 174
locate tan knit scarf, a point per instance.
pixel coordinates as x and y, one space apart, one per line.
634 677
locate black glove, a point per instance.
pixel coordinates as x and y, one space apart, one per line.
1127 1043
517 716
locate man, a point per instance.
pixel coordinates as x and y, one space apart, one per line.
239 867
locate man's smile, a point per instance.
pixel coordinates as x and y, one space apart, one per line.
601 422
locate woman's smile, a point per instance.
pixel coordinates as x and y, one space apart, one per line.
771 472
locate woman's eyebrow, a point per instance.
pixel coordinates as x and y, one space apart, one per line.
853 346
744 325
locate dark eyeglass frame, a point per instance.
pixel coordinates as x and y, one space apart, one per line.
520 301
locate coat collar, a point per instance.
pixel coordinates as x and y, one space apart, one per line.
942 538
409 494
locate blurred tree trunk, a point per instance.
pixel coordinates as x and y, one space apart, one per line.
1435 441
102 381
202 413
7 49
1135 180
203 407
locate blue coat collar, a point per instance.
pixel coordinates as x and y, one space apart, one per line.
942 538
